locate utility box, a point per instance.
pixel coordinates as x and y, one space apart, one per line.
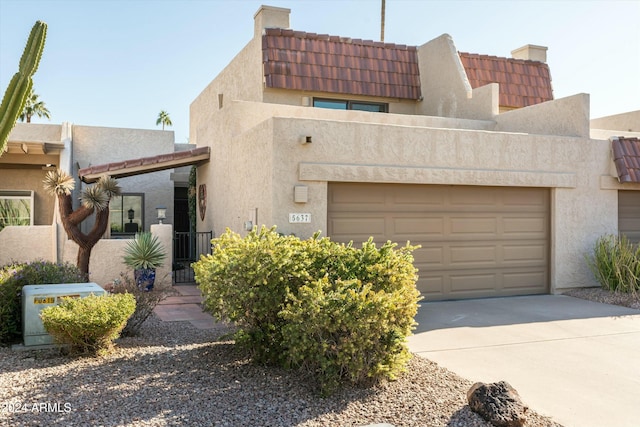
37 297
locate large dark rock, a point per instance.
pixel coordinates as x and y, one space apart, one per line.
498 403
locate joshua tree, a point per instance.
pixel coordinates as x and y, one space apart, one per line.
164 119
94 199
21 83
34 107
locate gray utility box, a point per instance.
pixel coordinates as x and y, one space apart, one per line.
37 297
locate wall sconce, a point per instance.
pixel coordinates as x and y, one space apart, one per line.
248 225
162 213
306 140
130 214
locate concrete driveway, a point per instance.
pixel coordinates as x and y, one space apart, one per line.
574 360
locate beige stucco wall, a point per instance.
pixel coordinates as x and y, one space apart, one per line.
98 145
106 265
625 122
266 147
30 179
22 244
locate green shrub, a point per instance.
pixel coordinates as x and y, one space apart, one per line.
340 314
89 324
615 262
146 301
16 275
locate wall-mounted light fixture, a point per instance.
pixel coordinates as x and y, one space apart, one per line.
300 193
162 213
306 140
130 214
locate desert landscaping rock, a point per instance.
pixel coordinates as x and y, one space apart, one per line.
174 374
499 403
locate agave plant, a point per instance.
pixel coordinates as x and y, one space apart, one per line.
144 252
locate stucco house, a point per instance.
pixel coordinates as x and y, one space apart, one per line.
505 188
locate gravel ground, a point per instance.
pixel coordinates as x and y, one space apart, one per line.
175 374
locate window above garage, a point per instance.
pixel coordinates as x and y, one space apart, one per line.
341 104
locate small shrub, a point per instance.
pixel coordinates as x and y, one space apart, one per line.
16 275
338 313
615 262
146 301
89 324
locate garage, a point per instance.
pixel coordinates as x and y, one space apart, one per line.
629 214
475 241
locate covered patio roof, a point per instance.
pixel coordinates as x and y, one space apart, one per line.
145 164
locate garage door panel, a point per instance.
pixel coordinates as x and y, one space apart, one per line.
521 226
413 228
476 241
472 256
472 226
525 253
523 280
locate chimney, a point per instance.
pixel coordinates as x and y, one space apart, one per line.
530 52
270 17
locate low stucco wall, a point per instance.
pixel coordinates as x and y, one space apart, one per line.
39 243
23 244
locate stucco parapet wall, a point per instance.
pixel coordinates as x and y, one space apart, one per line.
562 117
431 175
253 113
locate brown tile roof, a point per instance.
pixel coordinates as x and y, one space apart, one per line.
522 82
322 63
145 164
626 156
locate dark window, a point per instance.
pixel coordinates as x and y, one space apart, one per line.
126 214
339 104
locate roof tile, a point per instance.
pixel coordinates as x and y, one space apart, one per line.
308 61
626 157
521 82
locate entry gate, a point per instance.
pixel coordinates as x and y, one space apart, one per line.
187 248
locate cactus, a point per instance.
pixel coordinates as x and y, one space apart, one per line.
20 85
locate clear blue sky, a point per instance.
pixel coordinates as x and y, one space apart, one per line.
118 63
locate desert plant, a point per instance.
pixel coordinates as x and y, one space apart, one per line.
90 324
13 212
146 301
615 263
21 83
340 314
94 199
16 275
144 251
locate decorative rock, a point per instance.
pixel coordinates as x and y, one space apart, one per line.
498 403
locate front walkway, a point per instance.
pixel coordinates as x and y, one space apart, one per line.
185 306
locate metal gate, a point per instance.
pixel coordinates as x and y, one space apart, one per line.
187 248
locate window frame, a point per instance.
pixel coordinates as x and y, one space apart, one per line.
123 215
384 106
21 195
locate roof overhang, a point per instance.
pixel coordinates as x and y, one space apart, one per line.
144 165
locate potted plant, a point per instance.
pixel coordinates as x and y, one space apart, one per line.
144 254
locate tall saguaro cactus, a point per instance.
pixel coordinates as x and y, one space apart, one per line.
20 85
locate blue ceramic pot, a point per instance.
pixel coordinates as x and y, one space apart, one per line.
145 277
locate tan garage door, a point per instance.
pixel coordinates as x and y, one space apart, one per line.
629 214
476 241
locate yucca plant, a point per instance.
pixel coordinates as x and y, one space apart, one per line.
94 199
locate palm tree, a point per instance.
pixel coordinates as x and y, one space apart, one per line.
164 119
34 107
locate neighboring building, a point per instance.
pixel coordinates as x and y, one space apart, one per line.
466 155
33 149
